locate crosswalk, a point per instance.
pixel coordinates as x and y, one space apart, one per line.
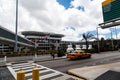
45 73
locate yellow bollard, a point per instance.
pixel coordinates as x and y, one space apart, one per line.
21 75
35 73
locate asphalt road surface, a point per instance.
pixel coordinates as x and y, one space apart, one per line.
65 64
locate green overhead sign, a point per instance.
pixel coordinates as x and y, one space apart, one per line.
111 10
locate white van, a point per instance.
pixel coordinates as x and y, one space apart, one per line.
70 49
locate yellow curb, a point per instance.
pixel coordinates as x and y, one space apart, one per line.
69 72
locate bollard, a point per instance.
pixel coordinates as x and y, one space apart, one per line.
35 55
35 73
5 59
21 75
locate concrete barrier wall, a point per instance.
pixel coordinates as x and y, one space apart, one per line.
26 58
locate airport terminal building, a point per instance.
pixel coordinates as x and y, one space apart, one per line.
33 40
44 40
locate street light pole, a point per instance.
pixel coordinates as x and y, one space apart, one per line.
116 32
16 26
112 41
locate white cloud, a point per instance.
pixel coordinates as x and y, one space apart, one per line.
115 32
118 36
103 31
70 34
50 16
7 13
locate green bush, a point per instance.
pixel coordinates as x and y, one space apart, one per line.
61 53
91 50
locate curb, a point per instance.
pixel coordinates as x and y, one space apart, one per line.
2 64
79 76
49 60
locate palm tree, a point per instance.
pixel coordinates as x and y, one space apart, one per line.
86 37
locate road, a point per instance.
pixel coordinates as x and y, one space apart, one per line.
65 64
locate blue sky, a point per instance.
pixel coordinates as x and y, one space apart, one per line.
65 3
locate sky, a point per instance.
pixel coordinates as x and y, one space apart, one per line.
71 18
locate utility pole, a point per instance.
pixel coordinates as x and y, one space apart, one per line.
16 27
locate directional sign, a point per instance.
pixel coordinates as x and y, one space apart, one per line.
111 10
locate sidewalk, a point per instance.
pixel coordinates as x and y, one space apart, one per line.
100 72
28 58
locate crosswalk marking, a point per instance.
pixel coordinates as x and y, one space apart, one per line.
41 70
29 70
45 73
29 74
21 64
15 67
25 68
48 75
64 77
53 77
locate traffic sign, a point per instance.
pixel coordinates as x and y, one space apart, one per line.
111 10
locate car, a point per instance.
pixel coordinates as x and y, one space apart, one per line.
78 54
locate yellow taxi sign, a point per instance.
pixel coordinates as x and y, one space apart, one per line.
107 2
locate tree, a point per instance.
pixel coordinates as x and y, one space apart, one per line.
102 44
86 37
53 47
